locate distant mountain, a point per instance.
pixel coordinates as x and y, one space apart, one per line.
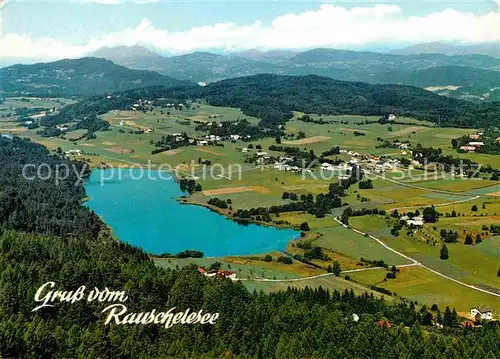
364 66
208 67
373 61
490 49
197 66
128 56
81 77
444 76
271 55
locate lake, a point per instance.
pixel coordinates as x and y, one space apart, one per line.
144 212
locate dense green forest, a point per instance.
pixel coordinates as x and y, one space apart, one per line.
273 98
292 324
79 77
43 204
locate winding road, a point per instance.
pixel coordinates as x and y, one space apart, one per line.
413 263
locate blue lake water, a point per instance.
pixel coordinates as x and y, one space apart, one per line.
144 212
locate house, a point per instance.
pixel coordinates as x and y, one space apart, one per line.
476 144
244 150
122 123
327 166
475 137
73 152
468 148
62 128
226 274
482 313
384 323
234 137
202 143
417 221
391 117
467 324
202 271
260 154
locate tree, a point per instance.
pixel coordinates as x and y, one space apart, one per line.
474 208
444 252
215 266
468 239
478 239
336 268
268 258
430 215
448 319
304 227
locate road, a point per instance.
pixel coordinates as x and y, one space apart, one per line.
415 262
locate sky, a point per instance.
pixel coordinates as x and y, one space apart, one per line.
42 30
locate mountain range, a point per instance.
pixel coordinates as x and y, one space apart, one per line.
478 73
490 49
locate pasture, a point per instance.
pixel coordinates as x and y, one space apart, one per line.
425 287
468 263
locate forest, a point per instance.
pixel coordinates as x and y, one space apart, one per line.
312 323
273 98
32 199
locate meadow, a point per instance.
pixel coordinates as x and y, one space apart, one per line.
468 263
425 287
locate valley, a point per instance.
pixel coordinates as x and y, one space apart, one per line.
130 139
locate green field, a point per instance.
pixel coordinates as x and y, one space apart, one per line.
418 284
349 243
469 264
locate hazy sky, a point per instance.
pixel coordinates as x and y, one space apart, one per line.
43 30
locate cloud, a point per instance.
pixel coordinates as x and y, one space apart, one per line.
328 26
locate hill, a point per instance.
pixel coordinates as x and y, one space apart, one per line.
443 75
490 49
81 77
272 98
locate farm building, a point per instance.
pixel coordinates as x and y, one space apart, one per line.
483 312
468 148
476 144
